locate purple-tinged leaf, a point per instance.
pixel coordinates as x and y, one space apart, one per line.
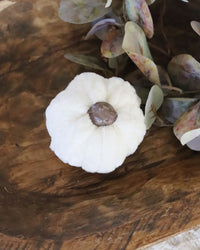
190 135
184 71
103 26
194 144
154 101
164 76
138 12
135 45
112 45
196 26
189 120
82 11
173 108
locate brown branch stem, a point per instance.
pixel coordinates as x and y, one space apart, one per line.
154 46
172 88
162 14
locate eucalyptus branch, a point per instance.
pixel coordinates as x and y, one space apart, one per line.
154 46
159 119
162 14
172 88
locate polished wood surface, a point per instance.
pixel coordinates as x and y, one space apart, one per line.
45 204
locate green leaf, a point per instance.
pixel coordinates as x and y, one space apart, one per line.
113 63
189 120
88 61
118 63
82 11
154 101
135 45
138 12
173 108
184 71
112 44
196 26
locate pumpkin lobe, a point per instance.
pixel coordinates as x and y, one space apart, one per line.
102 114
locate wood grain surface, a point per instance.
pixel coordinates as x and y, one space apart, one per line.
45 204
186 240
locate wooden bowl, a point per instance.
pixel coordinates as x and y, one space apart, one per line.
46 204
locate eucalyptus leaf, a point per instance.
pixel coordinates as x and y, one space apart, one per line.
109 2
138 12
88 61
154 101
118 63
188 121
143 94
112 45
113 63
141 84
173 108
135 45
189 136
184 71
102 25
194 144
164 76
102 33
137 78
115 20
82 11
196 26
135 40
149 2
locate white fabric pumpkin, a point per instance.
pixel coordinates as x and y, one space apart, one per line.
76 140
